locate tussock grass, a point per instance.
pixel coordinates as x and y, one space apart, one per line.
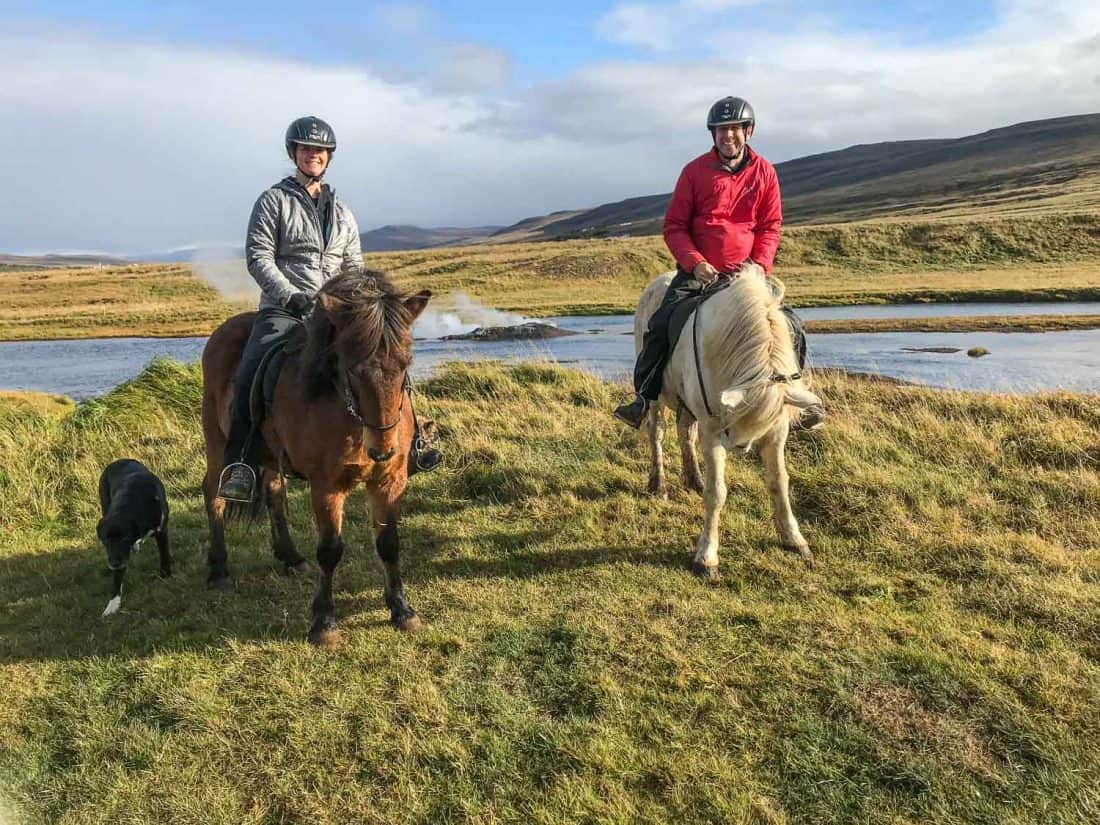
940 663
1047 257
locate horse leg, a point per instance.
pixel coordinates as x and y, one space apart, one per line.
772 448
385 512
281 542
687 429
218 576
655 426
705 564
328 510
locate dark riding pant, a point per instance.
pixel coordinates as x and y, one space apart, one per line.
271 326
650 366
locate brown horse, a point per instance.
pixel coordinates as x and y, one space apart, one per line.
341 417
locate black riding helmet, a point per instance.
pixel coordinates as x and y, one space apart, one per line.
310 131
730 110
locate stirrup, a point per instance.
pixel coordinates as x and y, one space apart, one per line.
422 446
226 478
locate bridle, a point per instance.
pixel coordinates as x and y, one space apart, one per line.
776 377
353 406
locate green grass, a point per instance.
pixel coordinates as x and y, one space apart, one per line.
940 663
1047 257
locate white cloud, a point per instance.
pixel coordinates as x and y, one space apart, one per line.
664 26
815 89
122 147
472 67
136 147
403 18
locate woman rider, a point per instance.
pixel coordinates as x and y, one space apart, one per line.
299 236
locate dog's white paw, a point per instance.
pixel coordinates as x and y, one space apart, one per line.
112 606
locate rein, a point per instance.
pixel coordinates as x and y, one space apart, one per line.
353 407
776 377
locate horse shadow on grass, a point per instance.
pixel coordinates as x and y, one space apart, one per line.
51 601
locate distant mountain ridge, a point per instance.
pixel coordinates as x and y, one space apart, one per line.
1052 163
22 262
396 237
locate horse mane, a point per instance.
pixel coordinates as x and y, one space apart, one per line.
751 344
372 318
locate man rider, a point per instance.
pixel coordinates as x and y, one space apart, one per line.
300 235
724 213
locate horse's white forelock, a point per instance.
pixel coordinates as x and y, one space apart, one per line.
746 341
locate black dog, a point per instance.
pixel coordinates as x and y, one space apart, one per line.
134 507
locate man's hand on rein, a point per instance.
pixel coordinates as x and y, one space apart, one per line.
704 272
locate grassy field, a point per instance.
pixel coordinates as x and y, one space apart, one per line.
940 663
1050 257
959 323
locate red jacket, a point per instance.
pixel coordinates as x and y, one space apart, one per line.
723 217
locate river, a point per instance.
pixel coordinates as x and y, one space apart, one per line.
1018 361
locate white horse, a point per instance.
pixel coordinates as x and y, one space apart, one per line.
743 390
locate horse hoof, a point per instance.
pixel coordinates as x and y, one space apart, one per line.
300 568
327 637
802 552
657 491
695 486
225 584
409 623
707 573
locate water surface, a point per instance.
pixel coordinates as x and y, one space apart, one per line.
1018 361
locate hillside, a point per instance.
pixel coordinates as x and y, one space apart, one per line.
392 238
25 262
1046 257
1046 165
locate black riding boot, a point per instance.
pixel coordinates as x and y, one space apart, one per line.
422 455
813 417
650 366
632 414
242 447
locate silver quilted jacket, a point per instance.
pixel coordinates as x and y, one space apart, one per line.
286 249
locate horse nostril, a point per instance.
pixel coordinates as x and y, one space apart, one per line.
379 456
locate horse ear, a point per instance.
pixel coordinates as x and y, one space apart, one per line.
415 303
801 398
731 398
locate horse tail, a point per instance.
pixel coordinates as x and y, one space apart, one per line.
249 512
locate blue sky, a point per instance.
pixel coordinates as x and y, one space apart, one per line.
465 113
543 38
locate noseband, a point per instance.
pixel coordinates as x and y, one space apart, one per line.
353 406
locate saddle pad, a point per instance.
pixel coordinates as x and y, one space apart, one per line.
687 305
262 394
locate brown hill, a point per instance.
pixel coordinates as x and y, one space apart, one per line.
397 237
1036 166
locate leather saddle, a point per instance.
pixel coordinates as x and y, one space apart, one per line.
261 396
